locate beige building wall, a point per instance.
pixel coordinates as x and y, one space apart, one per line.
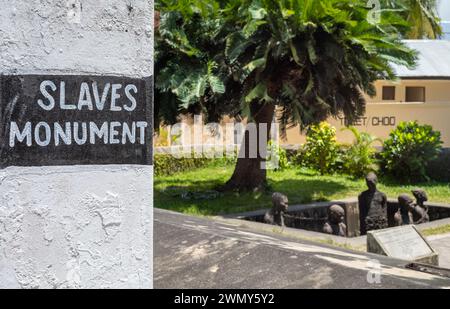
380 119
383 116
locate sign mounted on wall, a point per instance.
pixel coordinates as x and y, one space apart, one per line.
71 120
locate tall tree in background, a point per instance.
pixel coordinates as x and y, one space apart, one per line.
422 16
312 59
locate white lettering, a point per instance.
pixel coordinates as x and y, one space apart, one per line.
127 133
65 135
113 133
62 98
95 131
76 131
100 103
14 133
114 97
85 97
128 88
141 125
37 135
48 96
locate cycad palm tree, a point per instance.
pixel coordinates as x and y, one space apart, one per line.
422 16
313 59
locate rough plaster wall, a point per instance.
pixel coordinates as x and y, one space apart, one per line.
94 37
76 226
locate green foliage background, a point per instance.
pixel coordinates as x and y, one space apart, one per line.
313 59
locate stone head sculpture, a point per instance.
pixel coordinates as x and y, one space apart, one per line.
412 212
336 214
335 224
372 181
279 206
279 202
421 196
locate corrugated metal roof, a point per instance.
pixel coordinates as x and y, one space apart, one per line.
433 62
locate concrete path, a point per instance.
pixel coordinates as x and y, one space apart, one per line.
192 252
441 243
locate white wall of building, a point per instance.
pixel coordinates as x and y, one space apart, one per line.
76 226
444 14
444 9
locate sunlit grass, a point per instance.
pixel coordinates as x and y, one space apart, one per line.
437 231
301 186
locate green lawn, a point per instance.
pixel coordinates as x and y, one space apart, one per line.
437 230
300 186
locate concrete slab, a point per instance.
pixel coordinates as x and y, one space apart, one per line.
193 252
441 243
355 243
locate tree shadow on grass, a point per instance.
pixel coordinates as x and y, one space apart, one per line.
390 182
196 197
309 190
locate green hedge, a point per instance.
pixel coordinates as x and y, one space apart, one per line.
166 165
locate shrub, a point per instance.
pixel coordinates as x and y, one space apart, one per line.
292 154
359 158
408 151
321 151
297 158
274 151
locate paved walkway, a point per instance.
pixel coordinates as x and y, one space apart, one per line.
441 243
192 252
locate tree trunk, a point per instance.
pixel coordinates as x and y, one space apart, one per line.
250 173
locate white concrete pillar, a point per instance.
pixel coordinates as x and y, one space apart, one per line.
75 216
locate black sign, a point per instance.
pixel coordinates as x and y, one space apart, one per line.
70 120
